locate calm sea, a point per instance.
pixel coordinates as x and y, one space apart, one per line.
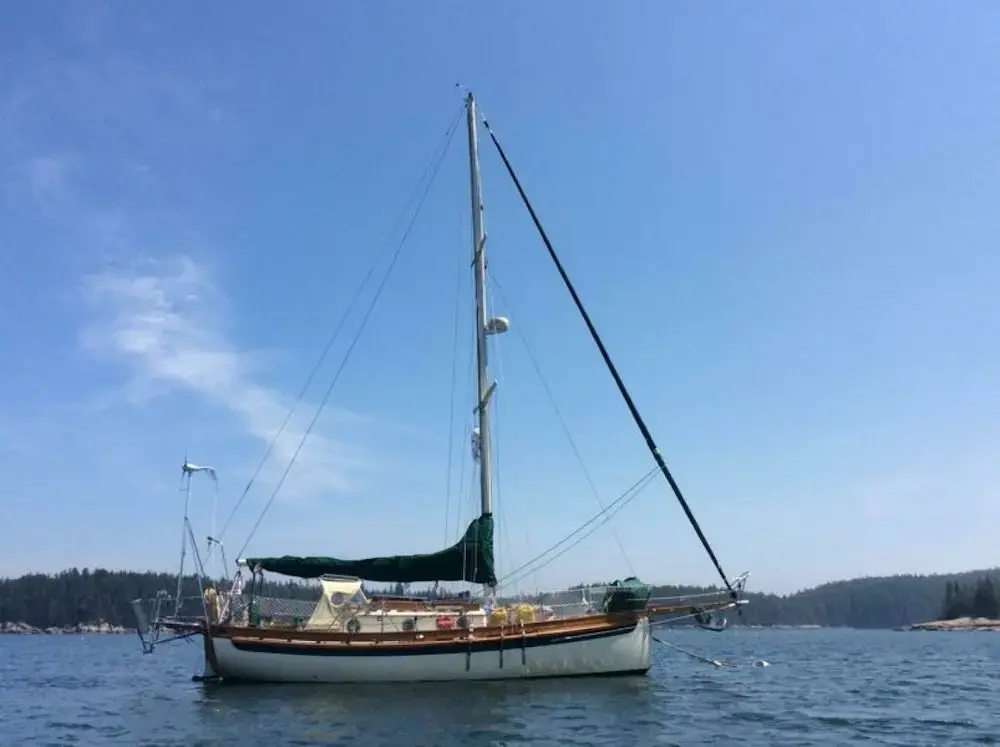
824 687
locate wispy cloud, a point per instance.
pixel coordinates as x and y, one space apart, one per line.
164 320
78 133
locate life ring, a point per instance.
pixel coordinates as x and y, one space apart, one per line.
445 622
463 621
353 626
409 624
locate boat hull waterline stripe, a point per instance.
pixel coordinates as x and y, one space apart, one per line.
302 648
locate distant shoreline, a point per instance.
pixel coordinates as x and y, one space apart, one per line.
959 624
102 628
92 596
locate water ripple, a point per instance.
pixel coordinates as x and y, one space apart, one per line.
824 688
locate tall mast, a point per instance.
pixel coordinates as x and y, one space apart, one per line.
186 477
479 270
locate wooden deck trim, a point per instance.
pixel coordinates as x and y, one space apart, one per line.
481 639
528 634
569 626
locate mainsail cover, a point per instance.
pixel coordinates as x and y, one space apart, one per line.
469 559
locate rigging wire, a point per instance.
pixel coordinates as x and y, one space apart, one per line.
463 497
343 319
504 525
493 345
562 421
502 542
694 654
451 412
496 448
364 321
647 436
590 526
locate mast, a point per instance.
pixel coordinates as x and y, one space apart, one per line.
186 477
479 271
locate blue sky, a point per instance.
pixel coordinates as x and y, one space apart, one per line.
780 218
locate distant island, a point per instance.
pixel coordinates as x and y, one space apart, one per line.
968 607
96 601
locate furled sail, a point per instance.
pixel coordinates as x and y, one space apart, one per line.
469 559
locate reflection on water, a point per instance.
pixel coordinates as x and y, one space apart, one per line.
440 713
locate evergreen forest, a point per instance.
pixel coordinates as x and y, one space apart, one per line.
87 596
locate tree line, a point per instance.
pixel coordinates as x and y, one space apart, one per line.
971 600
75 596
875 602
86 596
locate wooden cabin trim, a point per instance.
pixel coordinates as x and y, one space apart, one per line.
568 626
264 640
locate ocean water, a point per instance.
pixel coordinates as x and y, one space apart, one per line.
824 687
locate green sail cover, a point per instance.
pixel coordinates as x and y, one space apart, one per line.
630 595
469 559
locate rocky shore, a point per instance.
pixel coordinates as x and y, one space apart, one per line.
958 624
101 628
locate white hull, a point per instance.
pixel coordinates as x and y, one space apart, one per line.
616 652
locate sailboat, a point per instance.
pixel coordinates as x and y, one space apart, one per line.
350 635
